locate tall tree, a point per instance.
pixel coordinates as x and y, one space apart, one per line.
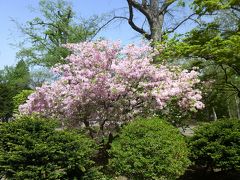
12 81
155 13
20 77
46 34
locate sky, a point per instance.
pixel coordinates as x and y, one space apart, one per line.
20 10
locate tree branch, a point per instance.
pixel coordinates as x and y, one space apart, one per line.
235 68
143 8
144 3
108 22
229 82
165 5
133 25
180 23
43 23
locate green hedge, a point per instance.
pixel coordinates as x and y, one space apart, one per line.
31 148
149 149
217 145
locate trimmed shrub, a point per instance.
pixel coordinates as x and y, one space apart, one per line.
149 149
217 145
32 148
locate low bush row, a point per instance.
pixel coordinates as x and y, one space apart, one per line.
33 148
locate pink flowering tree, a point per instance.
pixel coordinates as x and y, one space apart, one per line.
105 85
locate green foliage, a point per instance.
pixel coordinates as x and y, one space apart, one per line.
20 98
217 145
209 44
21 76
210 6
6 103
18 77
12 81
32 148
214 48
45 35
149 149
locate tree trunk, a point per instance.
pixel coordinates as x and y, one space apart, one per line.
156 28
229 112
154 12
237 107
214 114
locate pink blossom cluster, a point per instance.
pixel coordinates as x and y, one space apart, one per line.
105 83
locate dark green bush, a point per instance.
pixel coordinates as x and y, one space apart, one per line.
217 145
32 148
149 149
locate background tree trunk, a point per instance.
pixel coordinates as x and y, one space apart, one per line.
214 114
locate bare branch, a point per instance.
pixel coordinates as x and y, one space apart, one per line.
133 25
197 21
180 23
105 24
165 5
141 7
144 22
